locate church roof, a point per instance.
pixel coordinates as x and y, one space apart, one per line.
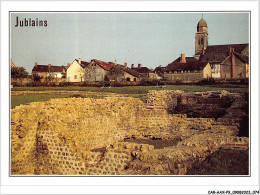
191 63
202 23
218 53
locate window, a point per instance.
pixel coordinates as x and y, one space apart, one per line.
127 79
75 76
134 79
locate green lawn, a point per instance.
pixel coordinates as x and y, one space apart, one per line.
142 89
134 91
24 99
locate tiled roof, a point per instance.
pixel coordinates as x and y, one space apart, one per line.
244 58
45 68
159 70
83 64
142 70
131 71
218 53
104 65
190 64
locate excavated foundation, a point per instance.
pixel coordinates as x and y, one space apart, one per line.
174 133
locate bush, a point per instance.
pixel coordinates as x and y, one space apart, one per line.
64 84
207 81
105 84
36 77
15 84
151 82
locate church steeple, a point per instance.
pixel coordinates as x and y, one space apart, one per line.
201 36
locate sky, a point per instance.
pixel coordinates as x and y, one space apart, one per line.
151 39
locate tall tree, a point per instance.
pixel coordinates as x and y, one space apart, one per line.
116 73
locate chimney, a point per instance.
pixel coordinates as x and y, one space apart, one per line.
160 66
115 62
139 65
68 65
79 60
132 66
232 63
231 50
125 64
35 64
183 58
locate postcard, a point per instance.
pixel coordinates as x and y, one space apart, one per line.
119 97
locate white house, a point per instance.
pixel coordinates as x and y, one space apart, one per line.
75 72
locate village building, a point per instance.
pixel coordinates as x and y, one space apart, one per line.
235 66
97 71
160 72
217 54
75 70
144 71
130 75
187 69
49 71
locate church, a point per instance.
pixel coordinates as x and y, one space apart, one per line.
230 61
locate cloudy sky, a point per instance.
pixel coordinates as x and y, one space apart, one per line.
151 39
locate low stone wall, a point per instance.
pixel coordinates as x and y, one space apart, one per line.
82 136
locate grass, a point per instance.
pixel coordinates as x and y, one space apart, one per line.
142 89
25 99
134 91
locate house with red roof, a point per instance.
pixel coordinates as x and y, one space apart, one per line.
97 70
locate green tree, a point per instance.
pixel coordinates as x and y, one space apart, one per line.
116 73
18 72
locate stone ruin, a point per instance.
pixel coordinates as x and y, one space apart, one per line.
171 134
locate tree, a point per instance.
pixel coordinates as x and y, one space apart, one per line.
36 77
116 73
18 72
90 73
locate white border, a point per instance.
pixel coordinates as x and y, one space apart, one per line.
129 185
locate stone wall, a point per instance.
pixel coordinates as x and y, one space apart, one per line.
82 136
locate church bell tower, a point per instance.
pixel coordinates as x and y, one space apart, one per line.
201 37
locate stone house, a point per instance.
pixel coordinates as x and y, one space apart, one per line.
49 70
75 71
187 69
97 71
216 54
130 74
235 66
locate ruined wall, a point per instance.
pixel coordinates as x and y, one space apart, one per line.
82 136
